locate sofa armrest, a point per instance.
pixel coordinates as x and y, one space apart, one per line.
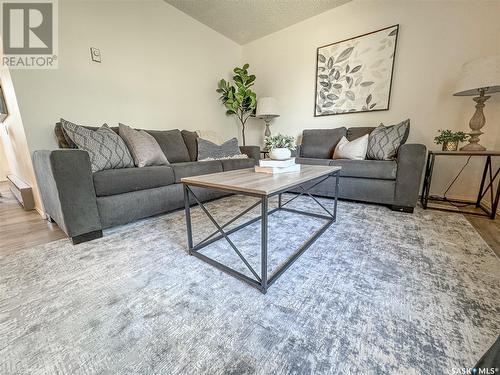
253 152
410 160
67 189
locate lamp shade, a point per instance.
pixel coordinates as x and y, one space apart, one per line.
483 73
267 107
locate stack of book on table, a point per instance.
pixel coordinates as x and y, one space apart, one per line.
277 166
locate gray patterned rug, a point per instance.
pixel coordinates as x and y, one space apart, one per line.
379 292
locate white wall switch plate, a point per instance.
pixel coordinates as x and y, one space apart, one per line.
95 54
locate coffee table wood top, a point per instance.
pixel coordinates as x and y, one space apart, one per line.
250 182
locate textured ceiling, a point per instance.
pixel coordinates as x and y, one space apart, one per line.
246 20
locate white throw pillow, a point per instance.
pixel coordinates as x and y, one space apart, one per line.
354 150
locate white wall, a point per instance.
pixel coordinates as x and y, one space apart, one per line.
4 166
159 70
435 39
15 153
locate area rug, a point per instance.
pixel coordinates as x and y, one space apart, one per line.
379 292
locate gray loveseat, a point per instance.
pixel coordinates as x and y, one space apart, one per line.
83 203
391 182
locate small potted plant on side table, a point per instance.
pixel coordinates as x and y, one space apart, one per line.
450 139
280 146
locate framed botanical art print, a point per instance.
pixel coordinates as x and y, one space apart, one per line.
355 75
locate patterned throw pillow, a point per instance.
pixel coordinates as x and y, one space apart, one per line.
210 151
143 147
384 141
106 149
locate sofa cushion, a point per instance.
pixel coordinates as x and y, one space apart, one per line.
106 149
232 164
172 144
143 147
358 132
191 143
385 141
312 161
377 169
63 139
195 168
118 181
210 151
353 150
320 143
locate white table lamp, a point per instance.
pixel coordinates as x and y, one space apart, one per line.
478 77
267 109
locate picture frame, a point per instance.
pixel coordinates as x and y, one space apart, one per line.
355 75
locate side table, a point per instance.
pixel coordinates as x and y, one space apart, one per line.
487 172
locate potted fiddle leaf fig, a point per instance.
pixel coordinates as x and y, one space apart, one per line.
238 98
280 146
450 139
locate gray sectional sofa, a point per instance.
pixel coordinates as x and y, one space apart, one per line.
394 183
83 203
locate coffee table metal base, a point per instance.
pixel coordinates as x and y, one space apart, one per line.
262 282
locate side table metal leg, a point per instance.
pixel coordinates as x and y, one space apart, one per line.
188 219
426 178
483 180
429 180
263 250
494 205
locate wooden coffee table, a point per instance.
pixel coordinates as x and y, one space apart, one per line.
262 186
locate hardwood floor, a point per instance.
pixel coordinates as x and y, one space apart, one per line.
488 229
22 229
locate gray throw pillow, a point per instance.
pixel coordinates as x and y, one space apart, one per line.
106 149
143 147
384 141
210 151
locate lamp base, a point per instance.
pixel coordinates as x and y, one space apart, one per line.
476 123
473 146
268 130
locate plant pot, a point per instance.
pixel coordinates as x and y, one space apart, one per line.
280 154
450 146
